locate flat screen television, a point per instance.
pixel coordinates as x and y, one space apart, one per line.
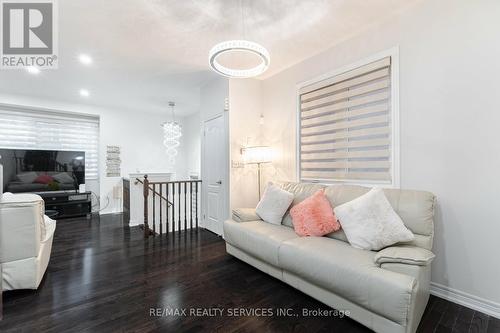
42 170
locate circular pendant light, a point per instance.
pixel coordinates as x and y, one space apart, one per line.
241 46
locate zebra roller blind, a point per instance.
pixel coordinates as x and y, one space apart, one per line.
345 126
38 129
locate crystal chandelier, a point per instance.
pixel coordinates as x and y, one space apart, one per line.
172 131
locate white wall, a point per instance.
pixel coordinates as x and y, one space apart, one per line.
140 137
245 106
138 134
449 83
212 97
190 147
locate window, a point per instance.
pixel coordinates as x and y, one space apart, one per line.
37 129
347 126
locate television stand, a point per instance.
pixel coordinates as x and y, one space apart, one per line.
68 203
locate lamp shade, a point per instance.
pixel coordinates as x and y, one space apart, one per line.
257 154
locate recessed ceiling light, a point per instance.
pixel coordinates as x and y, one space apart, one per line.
33 70
84 93
85 59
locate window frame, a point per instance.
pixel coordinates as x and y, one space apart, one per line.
393 53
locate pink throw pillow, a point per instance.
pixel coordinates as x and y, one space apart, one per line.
44 179
314 216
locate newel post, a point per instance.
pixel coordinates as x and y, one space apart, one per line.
146 194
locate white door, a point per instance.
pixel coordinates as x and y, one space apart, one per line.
215 166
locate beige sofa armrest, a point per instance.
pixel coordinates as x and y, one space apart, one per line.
410 255
245 215
22 226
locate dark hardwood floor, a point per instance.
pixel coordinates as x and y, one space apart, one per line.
104 277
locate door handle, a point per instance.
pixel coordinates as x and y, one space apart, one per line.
219 182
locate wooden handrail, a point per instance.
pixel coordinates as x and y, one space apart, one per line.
153 190
176 181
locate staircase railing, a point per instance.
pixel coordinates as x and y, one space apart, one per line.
170 205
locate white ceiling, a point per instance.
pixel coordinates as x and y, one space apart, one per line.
147 52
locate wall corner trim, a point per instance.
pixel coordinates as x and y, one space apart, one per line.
488 307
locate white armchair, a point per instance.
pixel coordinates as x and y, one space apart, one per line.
26 236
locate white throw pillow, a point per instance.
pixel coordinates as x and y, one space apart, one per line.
274 204
63 178
370 223
27 177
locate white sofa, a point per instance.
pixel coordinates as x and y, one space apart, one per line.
26 236
387 291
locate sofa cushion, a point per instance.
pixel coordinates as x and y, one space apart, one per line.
350 273
338 235
259 239
21 226
20 198
416 208
370 223
245 215
410 255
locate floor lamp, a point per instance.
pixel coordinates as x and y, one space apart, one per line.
257 155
